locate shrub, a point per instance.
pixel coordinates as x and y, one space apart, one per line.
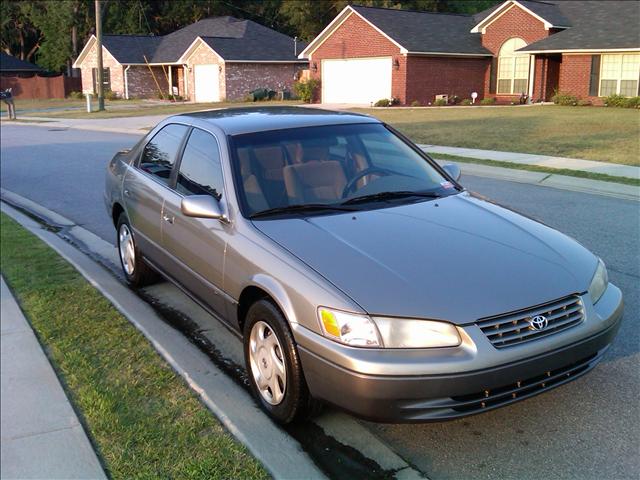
488 101
383 102
110 95
466 101
566 99
454 99
441 102
622 102
415 103
76 95
305 90
584 103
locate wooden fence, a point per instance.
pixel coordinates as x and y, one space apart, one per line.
41 87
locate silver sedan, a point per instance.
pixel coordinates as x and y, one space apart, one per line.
357 271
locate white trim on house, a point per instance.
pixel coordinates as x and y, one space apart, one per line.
334 25
84 52
191 49
578 51
444 54
268 61
509 4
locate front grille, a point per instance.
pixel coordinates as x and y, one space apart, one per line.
514 328
520 390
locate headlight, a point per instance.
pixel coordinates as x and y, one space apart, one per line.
362 331
410 333
349 328
599 282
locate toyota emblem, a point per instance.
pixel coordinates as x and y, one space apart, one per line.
539 322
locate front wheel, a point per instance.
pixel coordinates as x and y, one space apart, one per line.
273 365
136 272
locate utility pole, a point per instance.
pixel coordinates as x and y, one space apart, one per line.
100 73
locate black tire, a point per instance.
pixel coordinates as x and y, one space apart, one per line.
141 274
297 403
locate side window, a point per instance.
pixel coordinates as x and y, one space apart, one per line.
200 170
159 155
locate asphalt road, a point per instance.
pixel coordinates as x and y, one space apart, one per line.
589 428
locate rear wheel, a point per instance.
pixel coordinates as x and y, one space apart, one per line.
273 365
136 272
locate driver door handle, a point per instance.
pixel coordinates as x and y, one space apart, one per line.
167 218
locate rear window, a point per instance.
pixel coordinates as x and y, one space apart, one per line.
159 154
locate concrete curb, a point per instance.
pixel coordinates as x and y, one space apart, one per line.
278 452
563 182
590 166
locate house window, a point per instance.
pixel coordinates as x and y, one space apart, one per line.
106 80
619 75
513 68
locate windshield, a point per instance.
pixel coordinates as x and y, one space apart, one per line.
332 166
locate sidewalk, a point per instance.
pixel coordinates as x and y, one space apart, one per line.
141 125
41 434
613 169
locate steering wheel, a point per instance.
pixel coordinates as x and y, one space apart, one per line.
367 171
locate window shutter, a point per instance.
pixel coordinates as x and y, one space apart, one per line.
493 75
594 80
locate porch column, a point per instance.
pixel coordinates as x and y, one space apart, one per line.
532 76
170 81
185 69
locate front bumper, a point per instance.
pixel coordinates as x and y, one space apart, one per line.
437 397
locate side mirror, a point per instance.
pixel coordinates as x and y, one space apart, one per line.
201 206
453 170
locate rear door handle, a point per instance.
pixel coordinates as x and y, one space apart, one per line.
168 219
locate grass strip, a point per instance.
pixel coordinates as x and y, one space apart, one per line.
150 109
144 420
535 168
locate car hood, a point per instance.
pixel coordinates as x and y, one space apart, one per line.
458 258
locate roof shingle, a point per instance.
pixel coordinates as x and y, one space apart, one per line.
13 64
231 38
426 31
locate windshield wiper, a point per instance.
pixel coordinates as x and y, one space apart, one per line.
389 196
306 207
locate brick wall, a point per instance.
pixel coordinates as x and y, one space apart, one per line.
204 56
115 71
575 74
142 84
242 78
515 22
355 38
431 76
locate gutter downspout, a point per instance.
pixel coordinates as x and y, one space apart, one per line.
126 83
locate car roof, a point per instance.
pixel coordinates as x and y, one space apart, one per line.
237 121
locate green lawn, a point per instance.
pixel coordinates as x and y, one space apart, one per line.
593 133
125 108
143 418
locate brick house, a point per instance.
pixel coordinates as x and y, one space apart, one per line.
215 59
590 49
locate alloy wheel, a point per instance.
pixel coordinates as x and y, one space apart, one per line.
267 363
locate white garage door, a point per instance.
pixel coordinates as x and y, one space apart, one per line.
356 80
207 86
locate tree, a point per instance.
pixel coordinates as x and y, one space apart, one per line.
18 37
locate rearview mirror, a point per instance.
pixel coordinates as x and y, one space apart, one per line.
453 170
201 206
